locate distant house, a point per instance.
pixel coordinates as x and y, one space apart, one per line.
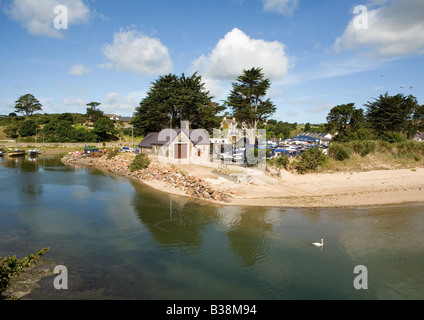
419 137
177 144
113 117
316 138
230 125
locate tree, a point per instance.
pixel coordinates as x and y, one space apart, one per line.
418 118
27 128
93 113
339 118
307 127
172 99
11 131
247 98
391 113
27 105
104 126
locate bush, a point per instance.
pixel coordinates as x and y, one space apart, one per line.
11 267
364 148
393 137
112 154
310 161
140 162
339 152
27 128
283 161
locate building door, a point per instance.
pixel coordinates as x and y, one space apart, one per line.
181 151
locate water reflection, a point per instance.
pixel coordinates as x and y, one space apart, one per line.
171 223
126 240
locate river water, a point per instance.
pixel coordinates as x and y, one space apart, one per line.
122 240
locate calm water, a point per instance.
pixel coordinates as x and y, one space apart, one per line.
122 240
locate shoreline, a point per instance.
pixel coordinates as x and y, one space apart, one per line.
323 190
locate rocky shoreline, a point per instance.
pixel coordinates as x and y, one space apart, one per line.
165 174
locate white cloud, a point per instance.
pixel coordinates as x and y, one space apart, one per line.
134 52
79 70
74 102
393 30
114 103
284 7
37 17
237 52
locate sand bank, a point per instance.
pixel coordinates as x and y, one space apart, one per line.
382 187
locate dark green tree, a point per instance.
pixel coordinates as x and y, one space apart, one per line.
27 128
247 98
27 105
418 118
391 113
93 113
340 118
11 131
307 127
103 127
172 99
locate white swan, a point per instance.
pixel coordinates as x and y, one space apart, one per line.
317 244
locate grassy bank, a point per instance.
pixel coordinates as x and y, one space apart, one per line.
357 156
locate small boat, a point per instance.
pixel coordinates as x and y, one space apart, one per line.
34 152
16 153
1 152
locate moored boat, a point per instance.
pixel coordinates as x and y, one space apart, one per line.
1 152
16 153
34 152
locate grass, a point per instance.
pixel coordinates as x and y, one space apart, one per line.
357 156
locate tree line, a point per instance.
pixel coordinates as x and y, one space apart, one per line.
172 99
65 127
390 118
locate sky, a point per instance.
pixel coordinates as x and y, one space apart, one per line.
317 54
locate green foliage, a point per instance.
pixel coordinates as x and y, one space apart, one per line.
310 160
339 152
11 131
27 105
391 113
393 137
27 128
104 126
171 99
283 161
344 118
11 267
140 162
307 127
111 154
364 147
246 100
93 113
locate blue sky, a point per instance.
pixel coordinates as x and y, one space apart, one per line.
317 54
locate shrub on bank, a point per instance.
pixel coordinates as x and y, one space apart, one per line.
310 160
339 152
140 162
112 154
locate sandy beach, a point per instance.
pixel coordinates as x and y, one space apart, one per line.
341 189
382 187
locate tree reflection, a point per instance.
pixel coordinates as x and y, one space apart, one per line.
172 221
249 235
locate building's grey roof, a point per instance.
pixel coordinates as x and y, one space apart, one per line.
419 135
152 139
